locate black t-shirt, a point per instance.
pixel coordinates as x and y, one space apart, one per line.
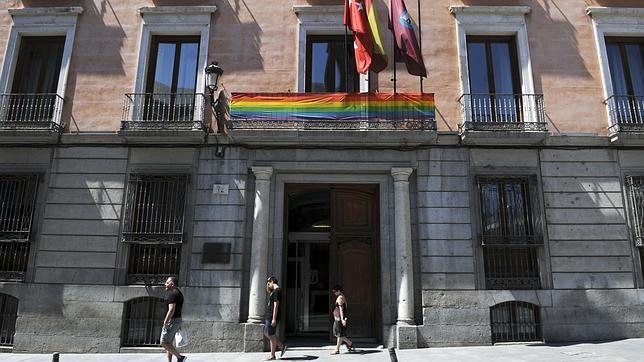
175 296
275 296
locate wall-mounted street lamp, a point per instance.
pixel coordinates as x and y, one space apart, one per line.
213 74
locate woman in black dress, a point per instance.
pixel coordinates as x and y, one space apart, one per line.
340 320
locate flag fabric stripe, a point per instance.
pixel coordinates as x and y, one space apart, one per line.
331 106
379 57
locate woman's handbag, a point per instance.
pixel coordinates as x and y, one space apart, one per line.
180 338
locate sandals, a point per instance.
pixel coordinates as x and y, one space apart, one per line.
335 352
351 348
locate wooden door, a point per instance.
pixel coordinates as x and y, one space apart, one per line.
354 255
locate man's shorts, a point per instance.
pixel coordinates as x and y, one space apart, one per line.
269 330
167 334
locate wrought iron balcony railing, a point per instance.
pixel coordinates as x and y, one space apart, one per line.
498 112
163 111
332 111
626 113
24 111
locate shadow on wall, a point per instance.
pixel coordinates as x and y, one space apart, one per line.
100 26
235 35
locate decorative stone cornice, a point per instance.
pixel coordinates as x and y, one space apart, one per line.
599 11
318 9
174 10
47 11
489 10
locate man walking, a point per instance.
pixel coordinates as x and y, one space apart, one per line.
172 321
273 317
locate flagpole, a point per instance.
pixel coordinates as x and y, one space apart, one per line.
346 60
420 41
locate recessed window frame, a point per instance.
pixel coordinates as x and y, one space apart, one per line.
319 20
496 21
45 21
609 22
173 21
538 216
129 239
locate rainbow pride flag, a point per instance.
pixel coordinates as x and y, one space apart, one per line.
332 106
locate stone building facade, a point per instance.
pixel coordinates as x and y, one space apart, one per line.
515 213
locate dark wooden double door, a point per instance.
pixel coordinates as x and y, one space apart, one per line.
344 252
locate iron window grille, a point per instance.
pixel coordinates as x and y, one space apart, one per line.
510 243
515 322
17 205
635 190
154 226
142 322
8 315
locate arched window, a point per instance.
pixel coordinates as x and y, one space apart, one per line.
142 322
515 322
8 314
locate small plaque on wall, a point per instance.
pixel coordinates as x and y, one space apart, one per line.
216 253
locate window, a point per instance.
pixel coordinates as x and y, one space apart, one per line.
507 234
496 71
320 51
8 315
494 79
635 190
33 95
619 35
625 60
34 74
17 204
142 322
154 226
171 81
515 322
327 61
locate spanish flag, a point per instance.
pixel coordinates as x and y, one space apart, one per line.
378 56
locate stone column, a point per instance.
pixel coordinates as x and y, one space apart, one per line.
404 269
259 251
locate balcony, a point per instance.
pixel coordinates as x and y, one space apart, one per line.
503 118
332 118
626 115
30 115
173 115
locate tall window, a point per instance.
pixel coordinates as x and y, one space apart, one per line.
154 226
17 204
330 64
172 77
507 234
494 79
35 82
625 59
635 191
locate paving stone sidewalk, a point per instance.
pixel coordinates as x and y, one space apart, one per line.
613 351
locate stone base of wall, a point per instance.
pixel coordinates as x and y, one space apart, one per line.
456 318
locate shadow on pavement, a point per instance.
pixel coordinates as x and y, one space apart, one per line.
300 358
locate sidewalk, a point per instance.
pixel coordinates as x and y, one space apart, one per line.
614 351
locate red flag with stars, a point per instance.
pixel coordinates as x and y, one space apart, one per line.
355 18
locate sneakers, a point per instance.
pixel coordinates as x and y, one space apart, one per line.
284 348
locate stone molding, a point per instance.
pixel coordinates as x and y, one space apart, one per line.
182 10
47 11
